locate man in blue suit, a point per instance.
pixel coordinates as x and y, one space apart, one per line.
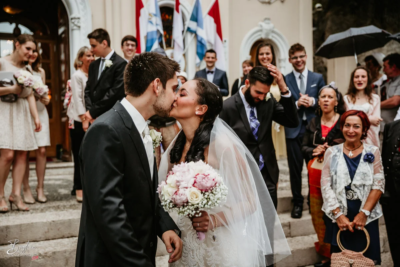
212 74
304 85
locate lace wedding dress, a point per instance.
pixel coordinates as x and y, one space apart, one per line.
251 234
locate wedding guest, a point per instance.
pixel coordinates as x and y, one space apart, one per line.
253 123
247 66
182 76
390 200
352 182
390 91
76 112
128 47
20 120
360 96
322 132
42 137
105 84
374 64
304 84
265 57
212 74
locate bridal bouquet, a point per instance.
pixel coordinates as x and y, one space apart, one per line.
26 79
192 187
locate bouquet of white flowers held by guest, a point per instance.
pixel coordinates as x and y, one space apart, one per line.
192 187
26 79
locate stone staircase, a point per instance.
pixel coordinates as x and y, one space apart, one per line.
47 235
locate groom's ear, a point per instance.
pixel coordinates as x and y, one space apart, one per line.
201 110
156 86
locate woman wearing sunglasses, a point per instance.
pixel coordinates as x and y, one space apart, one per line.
322 132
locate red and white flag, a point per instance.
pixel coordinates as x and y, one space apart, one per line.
213 30
177 26
141 26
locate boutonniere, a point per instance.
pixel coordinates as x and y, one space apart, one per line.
108 63
156 137
268 96
369 157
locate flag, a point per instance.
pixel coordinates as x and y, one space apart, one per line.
141 26
213 30
155 32
196 26
177 26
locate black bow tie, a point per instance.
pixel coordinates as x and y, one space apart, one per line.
210 71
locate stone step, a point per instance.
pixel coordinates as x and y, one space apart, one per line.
285 200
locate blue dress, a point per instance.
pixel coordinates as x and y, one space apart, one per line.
354 241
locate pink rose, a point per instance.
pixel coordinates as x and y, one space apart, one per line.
204 182
40 90
17 74
29 82
179 198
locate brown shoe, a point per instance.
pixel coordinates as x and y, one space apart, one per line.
17 201
3 209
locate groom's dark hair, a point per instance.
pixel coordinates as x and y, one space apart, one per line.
145 68
261 74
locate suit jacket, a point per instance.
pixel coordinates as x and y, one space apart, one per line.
315 81
121 212
283 112
101 94
220 80
391 162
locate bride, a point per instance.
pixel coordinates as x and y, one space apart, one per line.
246 230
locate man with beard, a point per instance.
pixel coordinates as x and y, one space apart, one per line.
250 114
121 214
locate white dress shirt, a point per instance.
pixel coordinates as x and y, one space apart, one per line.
210 76
297 76
101 68
247 105
142 127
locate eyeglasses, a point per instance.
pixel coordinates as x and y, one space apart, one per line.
295 58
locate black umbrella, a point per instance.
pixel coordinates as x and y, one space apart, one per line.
353 41
395 37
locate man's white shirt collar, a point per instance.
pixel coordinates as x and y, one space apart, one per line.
137 118
246 104
297 74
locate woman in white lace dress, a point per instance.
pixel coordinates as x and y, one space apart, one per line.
19 120
361 96
246 230
352 183
42 137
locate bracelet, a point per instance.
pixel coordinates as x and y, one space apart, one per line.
286 92
337 215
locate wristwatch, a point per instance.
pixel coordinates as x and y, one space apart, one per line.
366 212
286 92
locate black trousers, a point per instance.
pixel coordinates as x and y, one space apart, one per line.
270 185
295 163
392 221
77 135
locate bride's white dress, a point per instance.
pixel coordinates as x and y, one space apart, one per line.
252 234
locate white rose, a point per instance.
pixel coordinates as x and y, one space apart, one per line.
168 191
36 84
108 63
194 195
21 79
171 181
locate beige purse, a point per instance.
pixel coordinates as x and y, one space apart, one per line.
348 258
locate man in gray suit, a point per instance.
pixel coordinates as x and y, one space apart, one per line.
212 74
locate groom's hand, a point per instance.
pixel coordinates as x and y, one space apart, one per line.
171 239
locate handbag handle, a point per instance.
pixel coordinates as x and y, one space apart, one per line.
341 246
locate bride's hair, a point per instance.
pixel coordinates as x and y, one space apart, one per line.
208 94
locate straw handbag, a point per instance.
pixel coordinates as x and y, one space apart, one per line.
348 258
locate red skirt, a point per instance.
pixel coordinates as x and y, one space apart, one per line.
314 179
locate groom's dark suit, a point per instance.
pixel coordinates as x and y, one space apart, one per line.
283 112
101 93
121 213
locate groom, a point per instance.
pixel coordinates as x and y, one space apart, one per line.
121 213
